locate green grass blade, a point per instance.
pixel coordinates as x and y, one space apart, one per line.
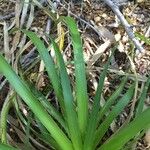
71 115
48 61
142 98
80 74
143 38
112 99
17 109
27 131
118 140
91 129
43 135
103 128
134 141
7 147
47 139
4 114
49 107
35 105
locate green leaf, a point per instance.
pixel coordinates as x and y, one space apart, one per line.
118 140
35 105
92 124
49 64
7 147
4 114
143 38
49 107
142 98
103 128
68 101
112 99
80 74
44 135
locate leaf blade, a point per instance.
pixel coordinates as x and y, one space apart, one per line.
68 101
102 129
50 67
111 99
138 124
91 129
28 97
80 74
140 105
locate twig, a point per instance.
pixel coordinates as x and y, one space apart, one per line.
124 22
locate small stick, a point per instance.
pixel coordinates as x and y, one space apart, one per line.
126 25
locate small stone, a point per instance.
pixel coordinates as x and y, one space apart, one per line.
97 19
118 36
124 39
104 15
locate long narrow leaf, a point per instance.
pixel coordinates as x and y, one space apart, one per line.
111 99
103 128
80 74
143 38
6 147
118 140
4 114
47 139
68 101
89 140
48 61
142 98
50 108
35 105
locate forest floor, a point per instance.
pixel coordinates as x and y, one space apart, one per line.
97 24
